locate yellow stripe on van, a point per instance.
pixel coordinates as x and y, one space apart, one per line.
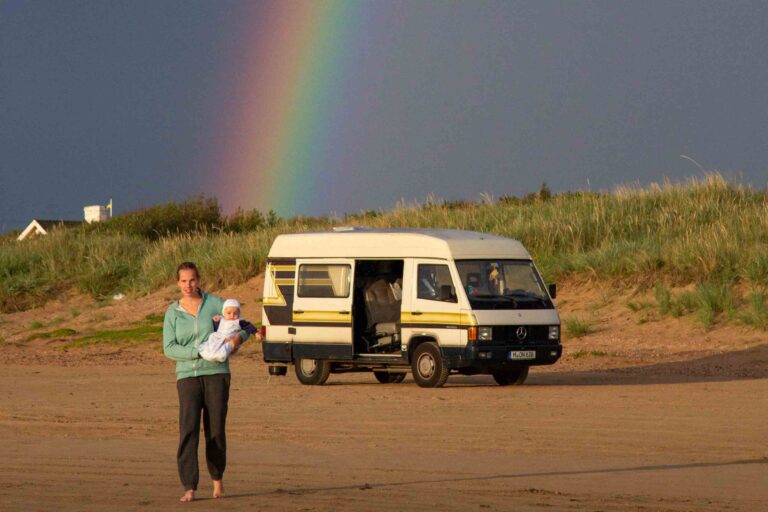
322 317
283 268
274 301
408 317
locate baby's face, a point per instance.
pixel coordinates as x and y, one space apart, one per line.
231 313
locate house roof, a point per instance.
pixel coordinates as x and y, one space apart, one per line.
48 224
42 226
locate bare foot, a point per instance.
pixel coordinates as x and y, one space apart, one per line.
218 488
188 496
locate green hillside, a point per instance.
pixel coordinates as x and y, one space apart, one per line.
701 245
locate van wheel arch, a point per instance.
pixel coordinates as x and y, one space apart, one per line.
413 345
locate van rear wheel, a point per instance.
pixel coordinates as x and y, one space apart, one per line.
429 370
514 376
389 378
313 372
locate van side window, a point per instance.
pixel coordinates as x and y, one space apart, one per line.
435 283
326 281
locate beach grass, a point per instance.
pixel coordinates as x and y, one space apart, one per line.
756 313
578 327
587 353
707 235
148 330
122 337
52 335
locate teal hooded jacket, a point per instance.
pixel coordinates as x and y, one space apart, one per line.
183 333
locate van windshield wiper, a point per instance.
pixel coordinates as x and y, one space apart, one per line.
497 299
492 297
525 295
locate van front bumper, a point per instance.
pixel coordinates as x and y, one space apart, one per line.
489 358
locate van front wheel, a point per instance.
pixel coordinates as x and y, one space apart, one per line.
312 371
429 370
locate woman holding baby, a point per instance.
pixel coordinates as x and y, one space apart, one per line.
202 383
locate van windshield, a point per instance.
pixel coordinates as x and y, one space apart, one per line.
503 284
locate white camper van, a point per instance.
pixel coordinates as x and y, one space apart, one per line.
433 302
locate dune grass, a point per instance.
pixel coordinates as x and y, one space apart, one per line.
756 312
709 301
122 337
52 335
707 233
577 327
587 353
148 330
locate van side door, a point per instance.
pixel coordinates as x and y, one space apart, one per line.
434 309
322 309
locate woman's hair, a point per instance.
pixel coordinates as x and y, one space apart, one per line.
187 265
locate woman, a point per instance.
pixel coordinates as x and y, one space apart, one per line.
203 386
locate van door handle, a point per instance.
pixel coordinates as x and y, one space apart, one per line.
343 312
298 312
415 313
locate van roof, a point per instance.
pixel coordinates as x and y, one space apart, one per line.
356 242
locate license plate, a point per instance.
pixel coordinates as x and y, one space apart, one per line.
522 354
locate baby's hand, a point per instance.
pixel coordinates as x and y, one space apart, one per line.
217 318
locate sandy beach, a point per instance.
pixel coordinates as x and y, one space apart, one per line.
628 420
103 437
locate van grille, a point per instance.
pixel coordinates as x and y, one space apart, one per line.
507 335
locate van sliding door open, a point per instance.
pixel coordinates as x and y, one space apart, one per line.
322 309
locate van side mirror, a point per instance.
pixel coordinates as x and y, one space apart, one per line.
446 293
553 290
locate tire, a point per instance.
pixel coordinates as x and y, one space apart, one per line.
429 370
514 376
389 378
312 372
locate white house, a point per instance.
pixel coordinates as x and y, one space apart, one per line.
95 213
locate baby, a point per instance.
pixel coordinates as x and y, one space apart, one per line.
216 347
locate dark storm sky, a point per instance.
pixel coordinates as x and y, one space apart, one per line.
111 99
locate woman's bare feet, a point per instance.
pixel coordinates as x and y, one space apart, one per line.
188 496
218 488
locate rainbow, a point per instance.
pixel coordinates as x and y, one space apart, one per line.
285 108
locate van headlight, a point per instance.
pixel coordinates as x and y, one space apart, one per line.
554 332
485 333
